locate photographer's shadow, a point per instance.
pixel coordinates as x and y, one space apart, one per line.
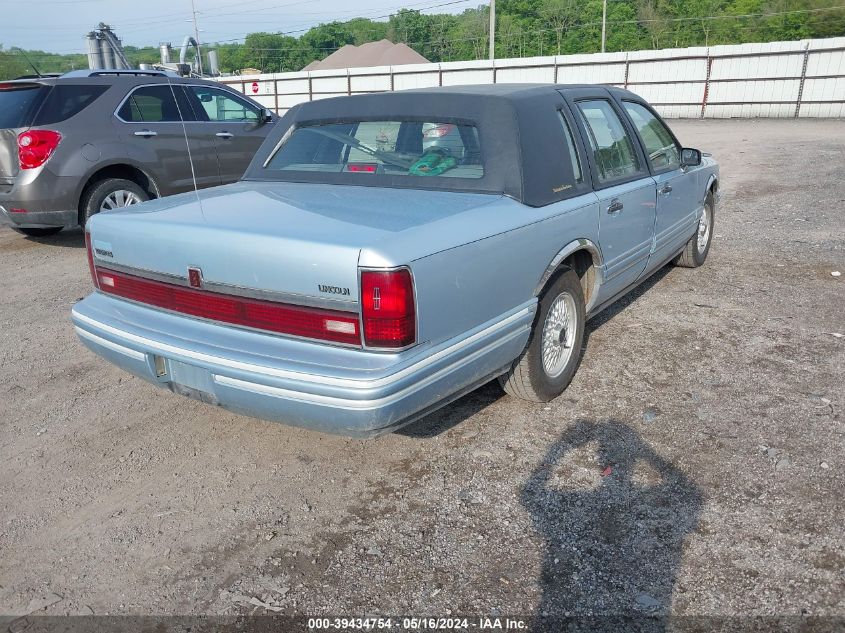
614 516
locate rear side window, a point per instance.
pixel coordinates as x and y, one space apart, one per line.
19 102
612 148
65 101
153 104
393 148
577 175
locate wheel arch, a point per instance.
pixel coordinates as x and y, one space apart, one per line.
125 170
584 257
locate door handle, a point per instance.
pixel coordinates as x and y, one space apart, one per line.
665 189
615 207
224 135
146 133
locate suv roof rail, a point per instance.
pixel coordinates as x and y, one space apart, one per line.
41 76
105 72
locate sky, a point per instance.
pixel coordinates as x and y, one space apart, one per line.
59 26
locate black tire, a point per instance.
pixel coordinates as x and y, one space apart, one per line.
692 256
97 193
40 232
528 378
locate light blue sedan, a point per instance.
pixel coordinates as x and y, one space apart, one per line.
385 254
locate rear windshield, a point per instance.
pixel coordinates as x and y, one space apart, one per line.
395 148
18 103
67 100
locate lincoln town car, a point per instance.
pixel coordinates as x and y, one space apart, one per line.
385 254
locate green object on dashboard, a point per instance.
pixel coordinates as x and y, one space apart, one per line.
432 164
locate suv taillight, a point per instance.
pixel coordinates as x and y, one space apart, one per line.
36 146
91 259
387 308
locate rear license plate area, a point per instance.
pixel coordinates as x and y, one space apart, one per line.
186 380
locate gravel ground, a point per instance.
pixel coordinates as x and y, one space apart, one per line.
694 467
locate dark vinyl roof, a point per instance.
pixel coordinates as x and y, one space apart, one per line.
519 126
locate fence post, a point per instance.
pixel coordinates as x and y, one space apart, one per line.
391 79
626 71
276 94
803 77
348 83
556 67
310 88
706 84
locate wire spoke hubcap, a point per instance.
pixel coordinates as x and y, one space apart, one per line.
704 229
118 199
559 334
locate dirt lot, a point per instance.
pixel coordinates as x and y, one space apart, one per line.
714 395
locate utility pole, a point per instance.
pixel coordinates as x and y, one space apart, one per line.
197 37
492 30
603 23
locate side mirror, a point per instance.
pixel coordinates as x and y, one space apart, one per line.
266 115
690 157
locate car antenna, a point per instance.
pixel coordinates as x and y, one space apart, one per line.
187 142
29 61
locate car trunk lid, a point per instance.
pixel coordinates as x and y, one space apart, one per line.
292 242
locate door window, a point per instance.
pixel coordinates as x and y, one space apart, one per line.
661 148
152 104
220 105
611 145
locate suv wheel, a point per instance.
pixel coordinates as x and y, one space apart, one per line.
42 232
112 193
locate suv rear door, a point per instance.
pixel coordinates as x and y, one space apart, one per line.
622 181
150 121
19 101
237 126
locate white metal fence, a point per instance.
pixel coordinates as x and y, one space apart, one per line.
778 79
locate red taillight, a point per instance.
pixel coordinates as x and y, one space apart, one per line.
36 146
439 131
387 308
91 258
327 325
366 168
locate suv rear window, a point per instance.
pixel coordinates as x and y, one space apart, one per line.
67 100
18 103
394 148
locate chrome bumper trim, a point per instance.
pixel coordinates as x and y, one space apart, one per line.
120 349
302 377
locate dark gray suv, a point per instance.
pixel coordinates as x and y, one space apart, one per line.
87 141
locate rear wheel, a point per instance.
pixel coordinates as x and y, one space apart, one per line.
40 232
549 362
695 252
112 193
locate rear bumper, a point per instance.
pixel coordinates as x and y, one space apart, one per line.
46 200
345 391
36 219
